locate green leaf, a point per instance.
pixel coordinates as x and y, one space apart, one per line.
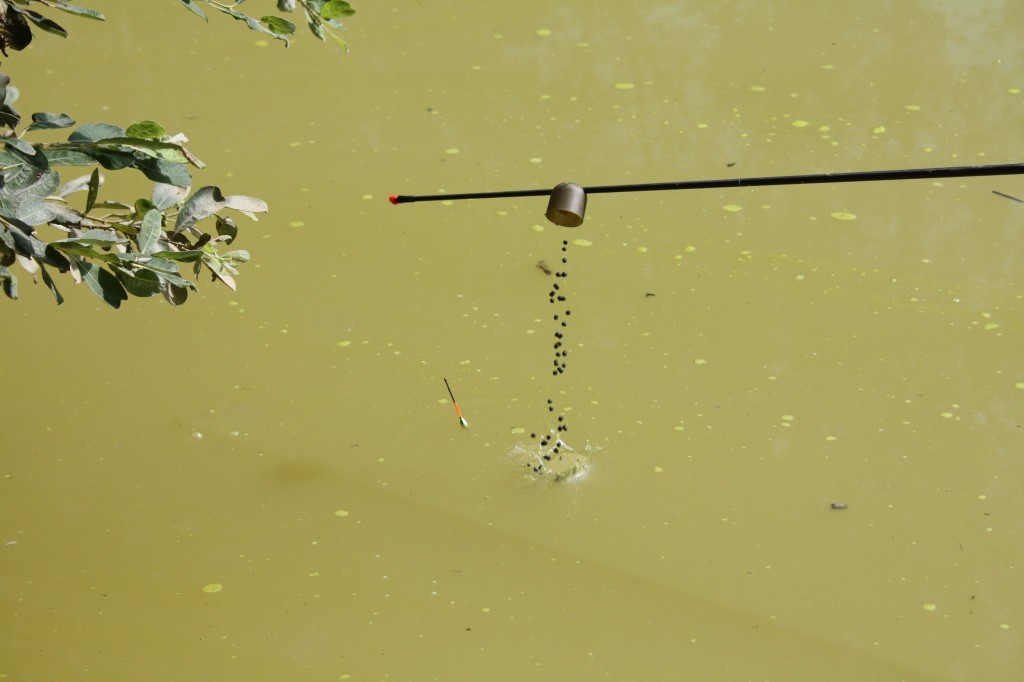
83 152
166 172
246 204
94 132
251 22
146 130
42 185
99 238
158 150
16 32
83 251
150 232
32 210
143 205
42 22
112 159
314 23
205 202
8 116
28 244
21 170
65 215
43 121
80 11
7 252
335 9
195 9
255 25
71 186
20 145
128 256
138 282
50 284
166 196
9 283
183 256
220 270
103 284
237 257
337 39
226 227
94 189
279 25
174 295
82 245
159 265
67 157
176 280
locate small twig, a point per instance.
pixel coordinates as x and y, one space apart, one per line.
1019 201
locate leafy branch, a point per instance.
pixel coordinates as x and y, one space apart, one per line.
114 247
321 16
143 248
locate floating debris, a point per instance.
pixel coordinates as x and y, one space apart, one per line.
1007 196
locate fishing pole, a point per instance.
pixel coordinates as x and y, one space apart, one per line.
568 201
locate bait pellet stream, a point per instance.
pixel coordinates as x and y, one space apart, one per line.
552 447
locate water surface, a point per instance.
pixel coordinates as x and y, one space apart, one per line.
274 484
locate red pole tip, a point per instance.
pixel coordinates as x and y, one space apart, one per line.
393 199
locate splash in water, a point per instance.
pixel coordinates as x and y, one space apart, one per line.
551 459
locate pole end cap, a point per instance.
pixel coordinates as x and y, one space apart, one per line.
567 205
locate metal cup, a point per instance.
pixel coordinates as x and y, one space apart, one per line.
567 205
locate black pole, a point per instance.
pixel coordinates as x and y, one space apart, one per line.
819 178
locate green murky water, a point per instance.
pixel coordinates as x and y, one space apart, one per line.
273 484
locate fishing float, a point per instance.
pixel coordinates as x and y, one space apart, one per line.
462 420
